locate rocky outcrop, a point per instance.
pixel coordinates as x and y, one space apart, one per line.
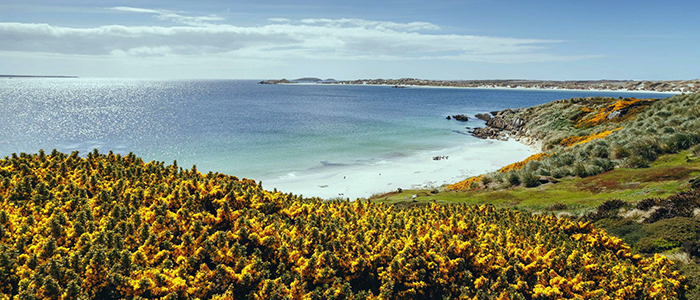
275 81
489 133
503 124
461 118
483 117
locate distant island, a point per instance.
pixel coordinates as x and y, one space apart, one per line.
299 80
35 76
678 86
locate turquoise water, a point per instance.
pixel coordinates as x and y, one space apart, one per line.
243 128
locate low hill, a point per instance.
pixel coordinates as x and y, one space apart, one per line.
308 79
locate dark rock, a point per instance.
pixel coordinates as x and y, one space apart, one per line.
489 133
695 183
547 179
505 124
484 117
501 125
448 118
461 118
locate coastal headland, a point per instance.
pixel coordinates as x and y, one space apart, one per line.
36 76
675 86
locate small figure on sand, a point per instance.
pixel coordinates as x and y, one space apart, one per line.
440 157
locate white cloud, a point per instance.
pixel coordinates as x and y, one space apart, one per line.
281 39
170 15
135 10
379 25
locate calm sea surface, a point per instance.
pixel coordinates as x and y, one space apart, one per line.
243 128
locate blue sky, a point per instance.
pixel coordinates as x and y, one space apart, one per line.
352 39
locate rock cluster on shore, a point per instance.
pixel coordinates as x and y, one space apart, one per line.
484 116
461 118
503 124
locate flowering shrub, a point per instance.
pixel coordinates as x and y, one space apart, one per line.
604 113
115 227
465 184
520 164
578 140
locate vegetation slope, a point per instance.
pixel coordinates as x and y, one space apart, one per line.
116 227
631 166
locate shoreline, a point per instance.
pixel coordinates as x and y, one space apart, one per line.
492 88
418 171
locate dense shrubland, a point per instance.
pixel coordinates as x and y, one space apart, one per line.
115 227
659 225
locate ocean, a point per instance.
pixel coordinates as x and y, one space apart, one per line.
242 128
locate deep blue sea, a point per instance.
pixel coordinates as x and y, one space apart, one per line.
245 129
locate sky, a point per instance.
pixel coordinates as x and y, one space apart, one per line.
462 39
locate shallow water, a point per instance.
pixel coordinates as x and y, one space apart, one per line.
246 129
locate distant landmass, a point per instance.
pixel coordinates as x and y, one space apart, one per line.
680 86
35 76
298 80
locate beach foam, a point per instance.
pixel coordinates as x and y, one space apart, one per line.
419 171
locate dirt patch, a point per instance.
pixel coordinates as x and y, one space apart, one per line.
667 174
598 185
602 183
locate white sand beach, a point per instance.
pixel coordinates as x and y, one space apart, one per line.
491 87
420 171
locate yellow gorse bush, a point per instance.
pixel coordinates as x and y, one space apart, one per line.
465 184
115 227
578 140
602 114
521 164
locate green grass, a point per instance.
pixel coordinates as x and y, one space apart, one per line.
666 176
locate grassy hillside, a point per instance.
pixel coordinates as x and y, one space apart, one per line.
585 137
115 227
668 175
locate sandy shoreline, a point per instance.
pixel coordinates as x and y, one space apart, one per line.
492 88
419 171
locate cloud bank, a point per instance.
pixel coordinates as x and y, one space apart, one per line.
280 38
